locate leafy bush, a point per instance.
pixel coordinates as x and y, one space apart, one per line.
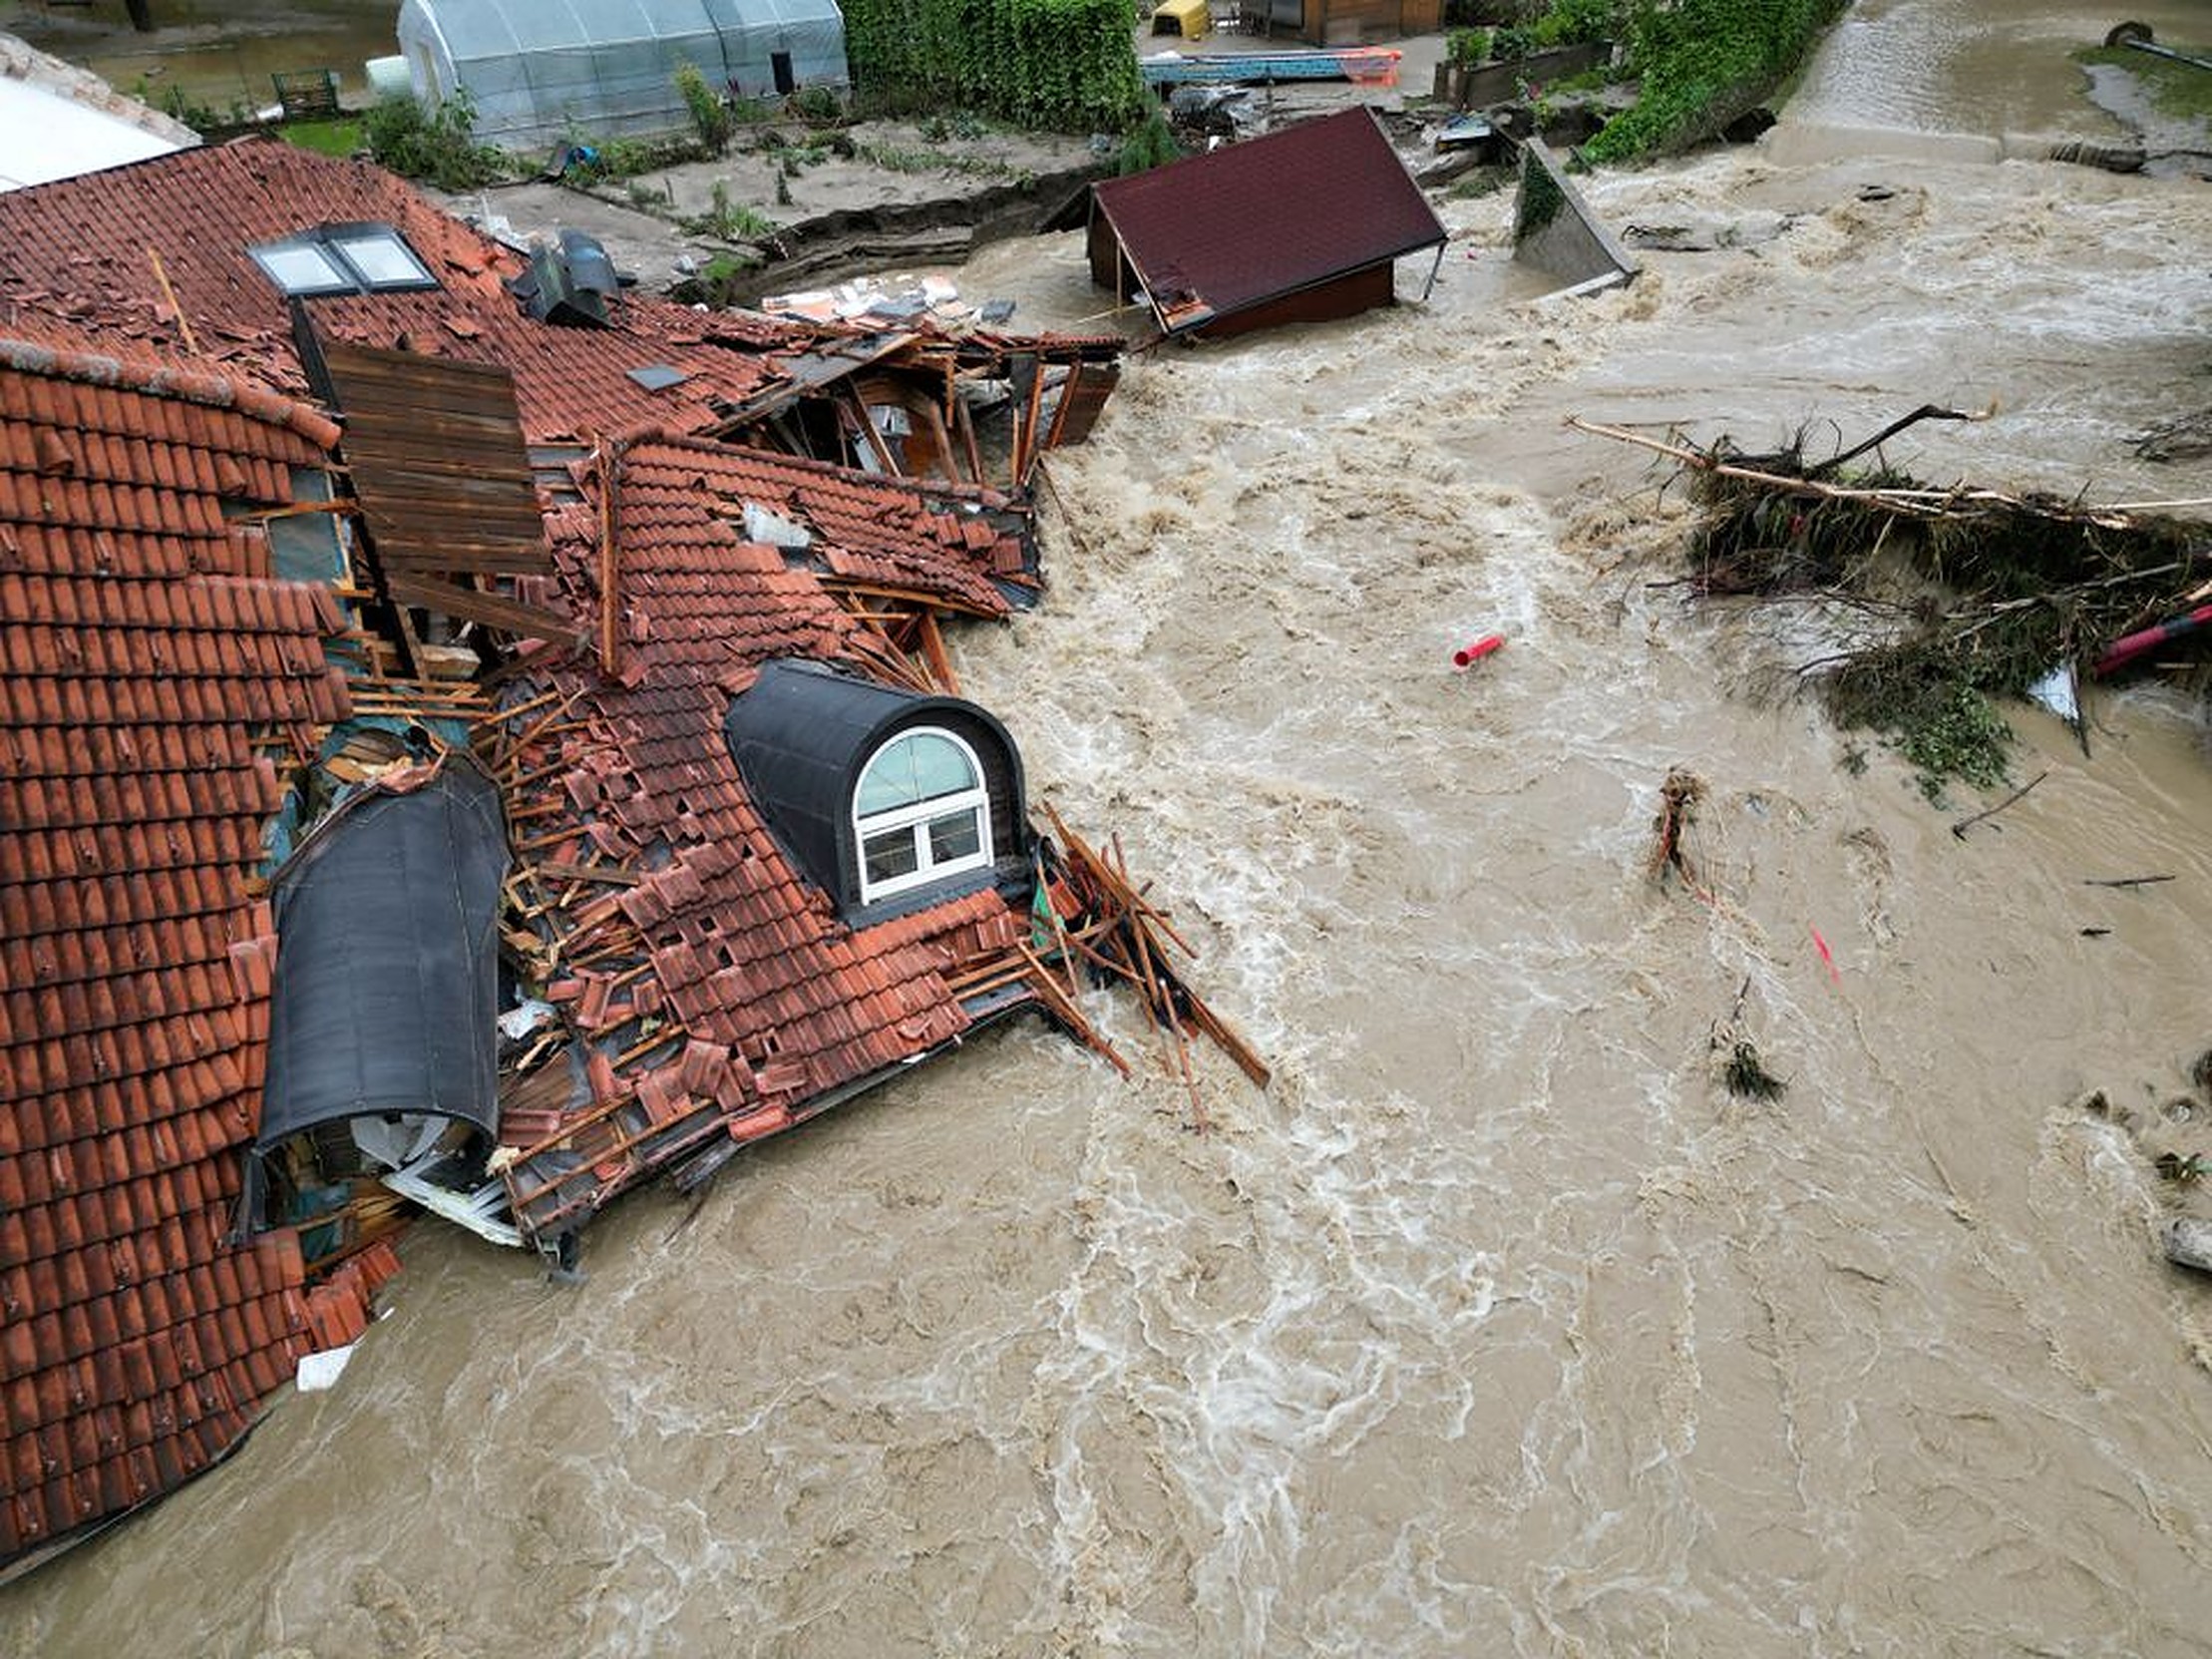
710 117
1467 47
817 104
1565 23
1149 144
1702 63
1056 64
438 147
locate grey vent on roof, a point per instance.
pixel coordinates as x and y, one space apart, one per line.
569 283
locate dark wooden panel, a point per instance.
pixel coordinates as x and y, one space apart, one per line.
1094 384
436 456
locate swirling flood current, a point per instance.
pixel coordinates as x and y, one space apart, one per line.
1496 1325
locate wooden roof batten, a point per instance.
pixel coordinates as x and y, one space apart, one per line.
435 455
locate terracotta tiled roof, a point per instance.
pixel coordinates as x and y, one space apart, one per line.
763 999
86 249
947 541
1236 226
148 660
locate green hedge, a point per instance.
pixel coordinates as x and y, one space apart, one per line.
1704 63
1063 64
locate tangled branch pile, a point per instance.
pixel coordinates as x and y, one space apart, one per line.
1967 595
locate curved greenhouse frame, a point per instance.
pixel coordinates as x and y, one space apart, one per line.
537 71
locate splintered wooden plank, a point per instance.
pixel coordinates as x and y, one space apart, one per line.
450 599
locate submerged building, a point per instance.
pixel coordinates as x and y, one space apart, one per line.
474 738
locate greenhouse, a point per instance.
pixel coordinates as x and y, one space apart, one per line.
537 71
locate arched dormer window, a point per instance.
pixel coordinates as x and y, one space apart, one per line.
920 813
887 800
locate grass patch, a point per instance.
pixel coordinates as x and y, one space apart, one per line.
2178 90
340 138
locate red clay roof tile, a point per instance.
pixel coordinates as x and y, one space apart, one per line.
130 816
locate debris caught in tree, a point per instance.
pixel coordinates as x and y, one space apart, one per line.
1945 597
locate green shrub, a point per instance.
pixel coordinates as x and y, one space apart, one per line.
1704 63
1467 47
438 147
710 117
1565 23
729 222
1149 144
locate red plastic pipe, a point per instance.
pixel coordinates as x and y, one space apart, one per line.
1478 650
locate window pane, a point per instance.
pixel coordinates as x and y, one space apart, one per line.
921 766
940 766
383 260
888 856
297 267
955 836
890 781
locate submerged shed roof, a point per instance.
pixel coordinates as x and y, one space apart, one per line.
1216 233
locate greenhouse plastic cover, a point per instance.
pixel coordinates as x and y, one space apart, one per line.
541 70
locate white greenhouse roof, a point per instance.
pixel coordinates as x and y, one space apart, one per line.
477 29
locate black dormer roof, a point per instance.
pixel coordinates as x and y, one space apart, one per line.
803 733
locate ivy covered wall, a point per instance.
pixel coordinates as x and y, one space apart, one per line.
1058 64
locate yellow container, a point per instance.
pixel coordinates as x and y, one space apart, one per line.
1187 18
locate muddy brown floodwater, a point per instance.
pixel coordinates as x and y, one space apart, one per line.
1496 1327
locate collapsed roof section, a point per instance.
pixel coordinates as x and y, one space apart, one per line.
210 639
712 991
1299 226
158 679
161 256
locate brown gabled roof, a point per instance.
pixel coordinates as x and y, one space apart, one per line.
1216 233
107 252
150 663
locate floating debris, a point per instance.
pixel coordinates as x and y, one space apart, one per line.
1742 1069
1680 796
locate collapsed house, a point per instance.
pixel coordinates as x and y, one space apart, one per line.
1210 245
474 738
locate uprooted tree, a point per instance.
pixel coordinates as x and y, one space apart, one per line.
1942 600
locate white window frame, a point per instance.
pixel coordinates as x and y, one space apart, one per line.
916 818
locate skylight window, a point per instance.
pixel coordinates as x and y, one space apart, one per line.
302 267
343 258
383 261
